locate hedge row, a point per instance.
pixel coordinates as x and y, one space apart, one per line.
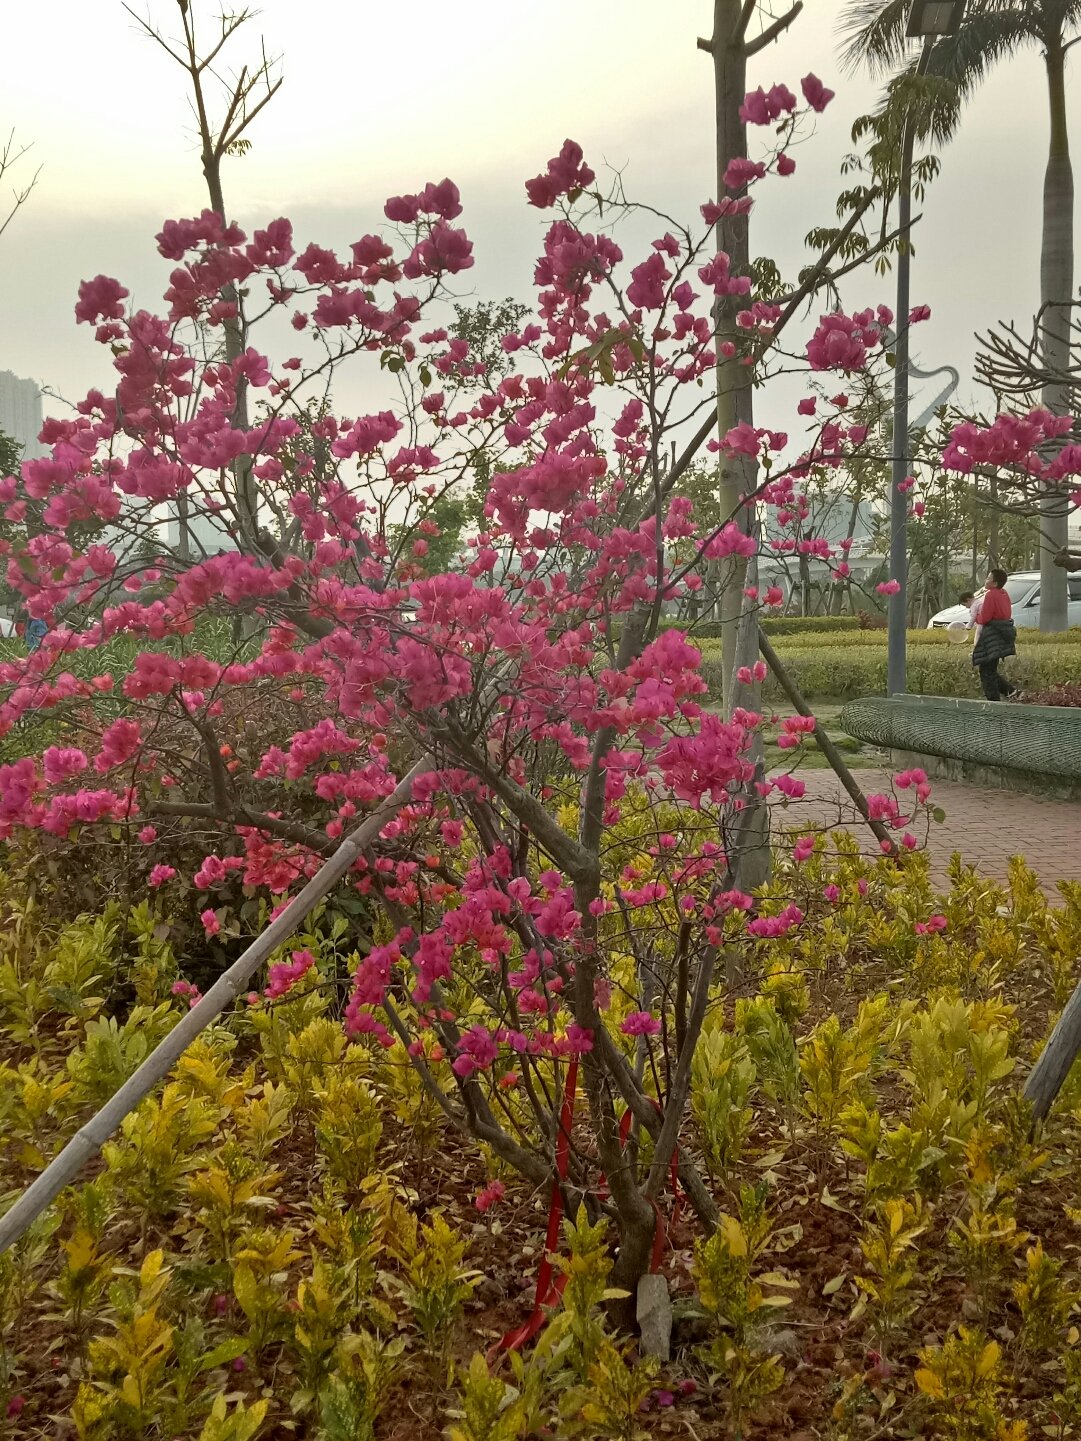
828 630
776 625
842 672
1026 639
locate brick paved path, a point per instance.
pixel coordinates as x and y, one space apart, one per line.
986 826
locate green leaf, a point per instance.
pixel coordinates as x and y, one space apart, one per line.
938 815
222 1354
246 1290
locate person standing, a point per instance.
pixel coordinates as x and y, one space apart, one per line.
969 601
996 637
36 631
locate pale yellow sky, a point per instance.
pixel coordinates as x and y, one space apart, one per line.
378 99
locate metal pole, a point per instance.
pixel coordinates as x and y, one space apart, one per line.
896 678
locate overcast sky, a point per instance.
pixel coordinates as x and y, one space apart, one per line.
379 99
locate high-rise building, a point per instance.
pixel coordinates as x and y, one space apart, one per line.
207 534
20 413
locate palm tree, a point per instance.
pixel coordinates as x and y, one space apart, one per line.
993 30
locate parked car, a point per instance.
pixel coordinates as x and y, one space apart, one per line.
1023 588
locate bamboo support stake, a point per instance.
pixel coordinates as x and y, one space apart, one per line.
88 1141
825 745
1047 1075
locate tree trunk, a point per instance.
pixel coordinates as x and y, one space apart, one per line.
994 520
1056 291
246 490
841 592
736 475
946 537
804 586
183 506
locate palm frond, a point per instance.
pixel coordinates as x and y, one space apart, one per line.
874 39
1046 20
873 35
989 33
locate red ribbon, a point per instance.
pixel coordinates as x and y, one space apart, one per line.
550 1281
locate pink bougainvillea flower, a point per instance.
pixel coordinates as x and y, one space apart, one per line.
716 210
100 298
640 1023
931 926
763 107
841 342
283 975
566 173
815 93
740 172
492 1194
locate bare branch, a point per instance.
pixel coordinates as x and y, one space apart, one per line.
744 21
771 32
9 157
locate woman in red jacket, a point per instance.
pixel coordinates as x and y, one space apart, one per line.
997 637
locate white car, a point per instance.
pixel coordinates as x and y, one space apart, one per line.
1023 588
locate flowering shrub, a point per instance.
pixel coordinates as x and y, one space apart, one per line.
562 861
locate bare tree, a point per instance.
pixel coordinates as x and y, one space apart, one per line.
242 97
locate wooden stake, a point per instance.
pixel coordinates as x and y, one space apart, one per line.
825 745
1047 1075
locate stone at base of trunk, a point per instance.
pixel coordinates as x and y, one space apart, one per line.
654 1314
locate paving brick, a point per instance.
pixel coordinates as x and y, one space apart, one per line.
986 826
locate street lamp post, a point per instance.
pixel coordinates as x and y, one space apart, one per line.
928 19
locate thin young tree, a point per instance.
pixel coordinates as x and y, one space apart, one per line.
223 132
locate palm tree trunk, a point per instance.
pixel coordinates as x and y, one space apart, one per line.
1056 291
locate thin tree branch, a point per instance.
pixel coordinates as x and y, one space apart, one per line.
740 31
771 32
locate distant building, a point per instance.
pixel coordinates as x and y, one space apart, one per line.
20 413
207 534
831 519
